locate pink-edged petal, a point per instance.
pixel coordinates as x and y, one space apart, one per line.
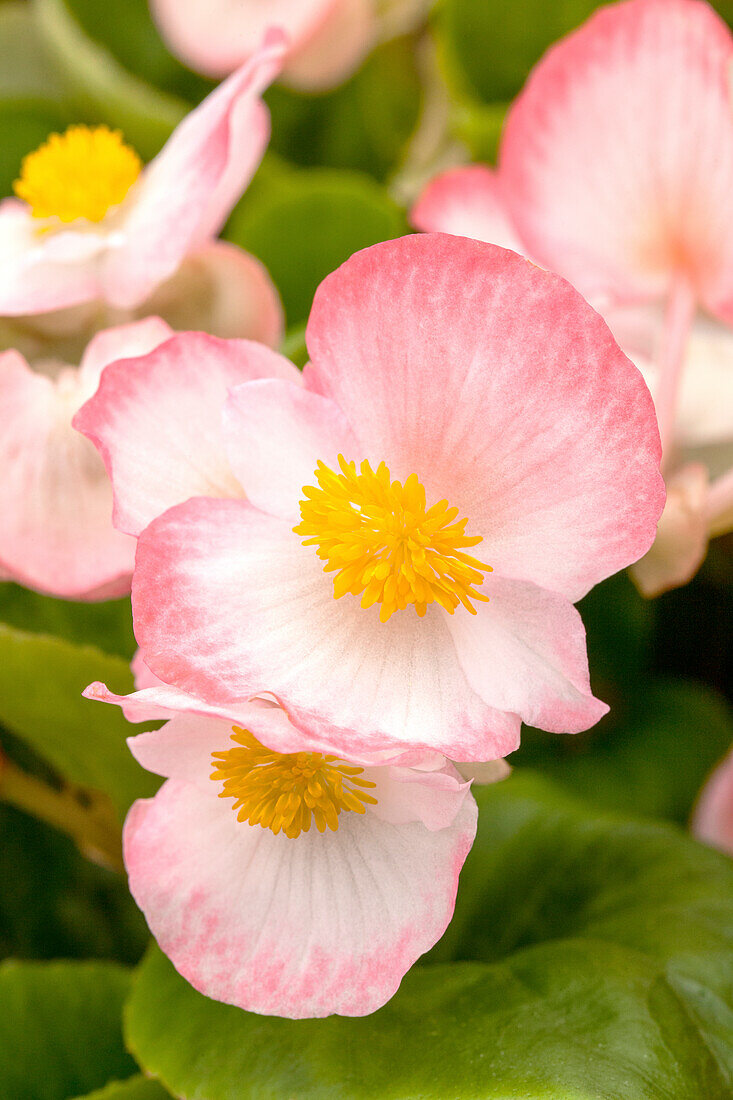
525 651
617 158
184 196
712 821
156 421
141 674
227 604
467 202
500 387
334 49
222 290
55 499
41 272
275 434
326 923
682 536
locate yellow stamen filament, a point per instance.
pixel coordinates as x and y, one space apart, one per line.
285 792
78 174
384 544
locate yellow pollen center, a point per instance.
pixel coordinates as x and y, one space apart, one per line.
284 792
78 174
385 545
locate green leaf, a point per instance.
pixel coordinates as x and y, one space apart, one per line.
26 69
25 124
60 1031
98 85
310 223
54 903
126 29
653 761
136 1088
41 681
589 959
490 46
363 125
109 622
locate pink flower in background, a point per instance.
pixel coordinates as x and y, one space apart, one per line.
56 532
499 457
712 821
280 878
616 170
326 38
92 223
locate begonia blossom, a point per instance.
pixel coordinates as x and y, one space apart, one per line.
55 498
616 170
326 38
90 222
712 820
281 879
468 453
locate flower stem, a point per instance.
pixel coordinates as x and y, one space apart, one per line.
671 359
86 816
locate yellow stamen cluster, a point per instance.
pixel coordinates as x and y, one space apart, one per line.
78 174
284 792
385 545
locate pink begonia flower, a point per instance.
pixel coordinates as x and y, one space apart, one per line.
615 170
712 820
93 224
327 39
502 412
280 878
56 533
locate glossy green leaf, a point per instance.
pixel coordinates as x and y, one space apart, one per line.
364 124
60 1030
41 681
98 85
589 959
308 224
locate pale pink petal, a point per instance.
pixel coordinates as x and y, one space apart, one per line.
141 674
499 386
227 604
492 771
467 202
222 290
326 923
682 536
335 48
184 196
712 820
215 37
433 798
525 651
123 342
617 158
55 499
275 433
41 271
156 421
